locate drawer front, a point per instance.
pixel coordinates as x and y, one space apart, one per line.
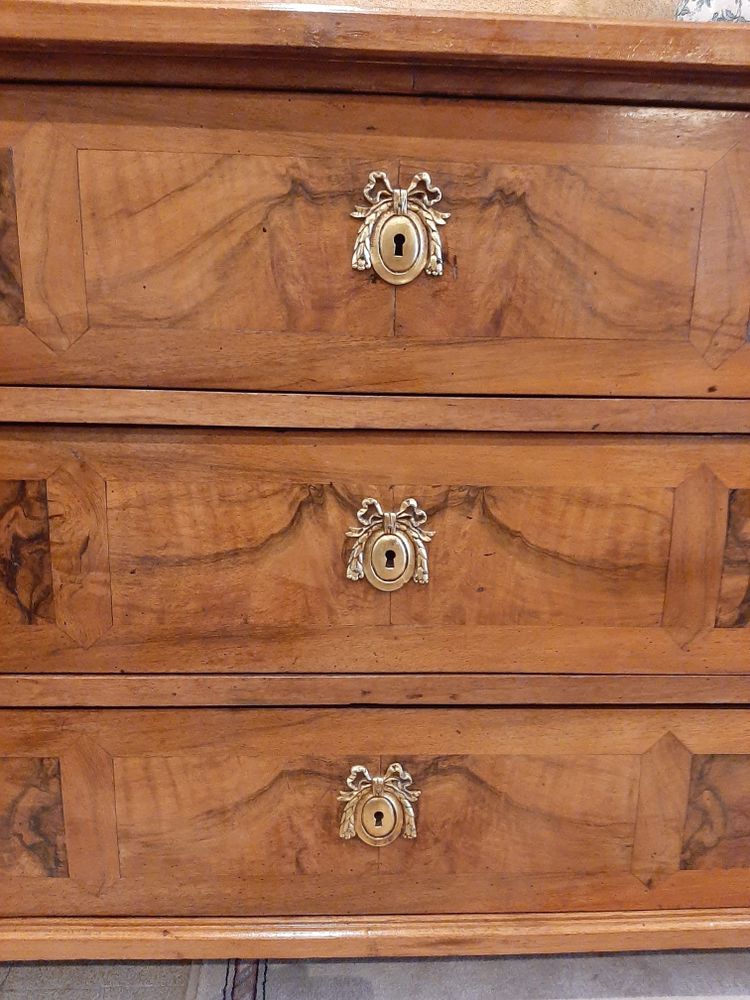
156 238
159 550
237 812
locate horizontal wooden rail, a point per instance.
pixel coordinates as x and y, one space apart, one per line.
217 690
335 937
187 25
190 408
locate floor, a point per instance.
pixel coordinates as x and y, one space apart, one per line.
723 976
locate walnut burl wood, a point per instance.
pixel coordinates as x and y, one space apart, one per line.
734 603
198 391
199 812
53 553
225 551
26 584
32 830
203 240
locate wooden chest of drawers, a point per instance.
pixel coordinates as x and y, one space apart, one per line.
343 613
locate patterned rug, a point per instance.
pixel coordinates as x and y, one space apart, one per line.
713 10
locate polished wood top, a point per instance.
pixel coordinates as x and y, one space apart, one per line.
364 29
33 31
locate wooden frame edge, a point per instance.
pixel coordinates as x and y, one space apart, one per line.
350 690
355 30
320 411
35 939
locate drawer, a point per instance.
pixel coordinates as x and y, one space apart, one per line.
155 550
205 239
239 811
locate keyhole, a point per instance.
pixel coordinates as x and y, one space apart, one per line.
378 818
390 559
398 244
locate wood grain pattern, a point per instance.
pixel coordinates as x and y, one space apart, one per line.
79 551
11 289
522 814
695 559
357 30
361 937
91 827
201 242
580 281
243 551
174 240
717 829
547 252
663 794
32 829
255 816
197 241
25 567
590 83
721 309
300 690
521 555
49 226
234 812
185 408
734 599
227 552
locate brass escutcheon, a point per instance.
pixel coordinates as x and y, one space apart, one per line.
399 235
378 809
389 548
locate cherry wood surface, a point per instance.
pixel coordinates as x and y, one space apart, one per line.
232 812
157 550
203 240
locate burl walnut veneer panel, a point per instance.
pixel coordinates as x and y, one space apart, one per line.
734 605
54 560
32 829
226 551
205 240
235 812
717 829
25 565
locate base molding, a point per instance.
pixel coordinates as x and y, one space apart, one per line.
34 939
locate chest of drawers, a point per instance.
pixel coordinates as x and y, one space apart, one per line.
390 609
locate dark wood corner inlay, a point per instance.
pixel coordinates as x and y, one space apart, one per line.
25 564
734 601
717 827
32 828
11 289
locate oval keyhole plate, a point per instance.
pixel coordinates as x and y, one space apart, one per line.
399 248
389 560
379 819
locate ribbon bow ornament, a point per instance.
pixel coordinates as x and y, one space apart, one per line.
409 518
419 198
